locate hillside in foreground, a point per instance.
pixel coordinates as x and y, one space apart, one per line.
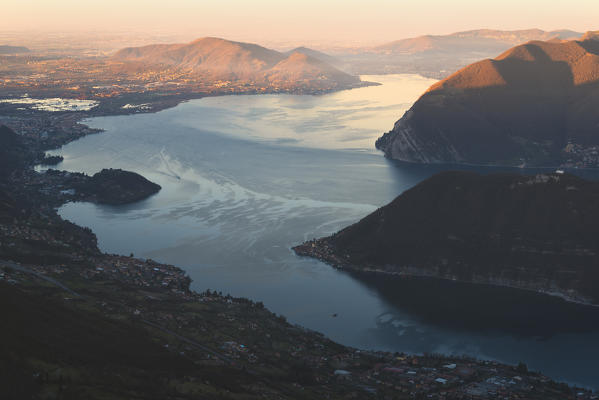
532 232
532 105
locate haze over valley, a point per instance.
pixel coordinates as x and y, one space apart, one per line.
299 200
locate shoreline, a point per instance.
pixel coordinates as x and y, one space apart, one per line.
324 254
123 261
490 166
69 126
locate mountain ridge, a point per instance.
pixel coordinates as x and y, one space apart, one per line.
529 106
534 232
222 59
483 39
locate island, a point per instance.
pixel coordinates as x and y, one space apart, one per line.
437 56
535 232
115 186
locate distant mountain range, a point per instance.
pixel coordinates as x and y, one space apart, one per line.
219 59
5 49
533 105
436 56
480 40
537 232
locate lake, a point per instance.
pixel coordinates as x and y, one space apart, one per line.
245 178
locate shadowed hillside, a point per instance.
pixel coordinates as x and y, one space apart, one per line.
532 105
536 232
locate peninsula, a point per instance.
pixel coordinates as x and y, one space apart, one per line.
535 232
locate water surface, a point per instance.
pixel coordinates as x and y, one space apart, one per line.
247 177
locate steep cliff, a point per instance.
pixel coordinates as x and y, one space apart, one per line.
533 105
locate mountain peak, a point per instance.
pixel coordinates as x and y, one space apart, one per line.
532 105
215 58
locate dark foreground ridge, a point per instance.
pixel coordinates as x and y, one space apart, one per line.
78 323
536 232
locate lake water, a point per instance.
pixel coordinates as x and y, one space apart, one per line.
247 177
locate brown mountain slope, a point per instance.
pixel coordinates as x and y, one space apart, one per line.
299 66
533 104
315 54
216 58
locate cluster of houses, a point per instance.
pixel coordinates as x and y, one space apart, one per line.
435 378
53 129
137 272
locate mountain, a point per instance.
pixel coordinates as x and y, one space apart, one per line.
319 55
6 49
436 56
533 105
535 232
219 59
299 66
115 186
480 40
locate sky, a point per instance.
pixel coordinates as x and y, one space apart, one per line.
310 21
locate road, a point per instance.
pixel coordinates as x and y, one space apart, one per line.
20 268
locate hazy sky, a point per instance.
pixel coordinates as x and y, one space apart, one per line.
325 21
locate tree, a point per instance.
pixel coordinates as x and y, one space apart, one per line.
522 368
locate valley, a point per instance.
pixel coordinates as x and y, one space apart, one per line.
146 184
